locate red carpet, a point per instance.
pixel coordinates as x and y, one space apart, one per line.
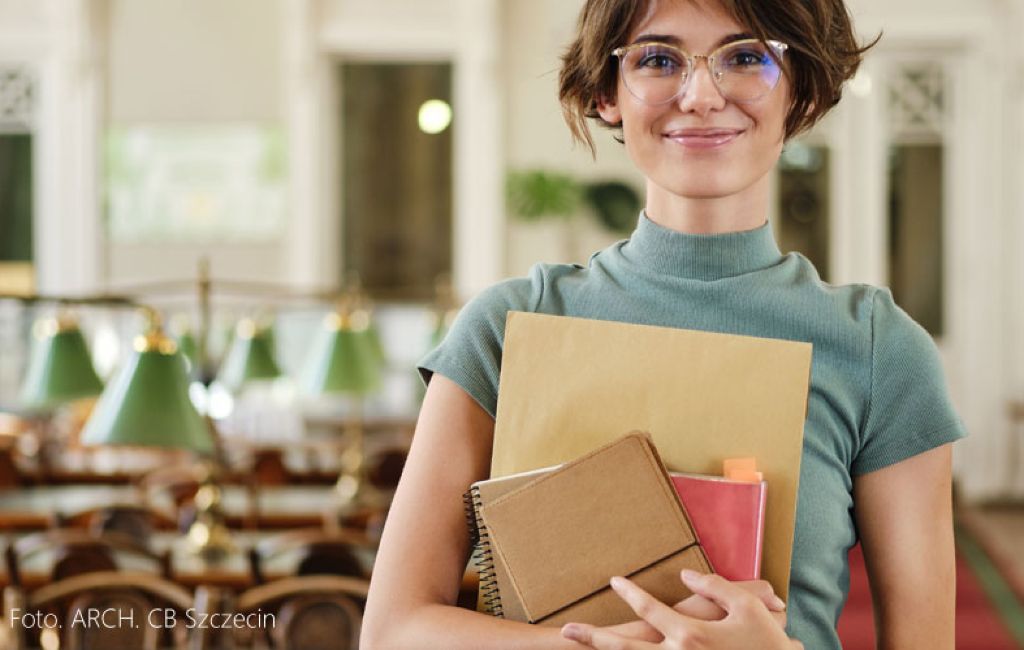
978 624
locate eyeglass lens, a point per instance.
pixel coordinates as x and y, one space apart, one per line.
657 74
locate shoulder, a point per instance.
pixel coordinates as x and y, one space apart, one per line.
532 292
853 301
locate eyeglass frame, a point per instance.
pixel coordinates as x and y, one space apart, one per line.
776 48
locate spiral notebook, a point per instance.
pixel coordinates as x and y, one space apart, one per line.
550 540
727 516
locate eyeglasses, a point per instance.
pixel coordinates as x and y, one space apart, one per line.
742 71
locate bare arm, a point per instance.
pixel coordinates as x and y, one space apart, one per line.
905 516
425 546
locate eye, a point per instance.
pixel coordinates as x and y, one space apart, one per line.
746 58
657 61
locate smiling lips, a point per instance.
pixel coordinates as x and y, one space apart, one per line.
709 138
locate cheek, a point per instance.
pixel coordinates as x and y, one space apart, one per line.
770 121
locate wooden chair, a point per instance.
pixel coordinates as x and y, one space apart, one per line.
303 613
78 552
385 469
108 611
136 521
317 552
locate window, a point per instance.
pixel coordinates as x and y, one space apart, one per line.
396 177
17 101
803 203
915 174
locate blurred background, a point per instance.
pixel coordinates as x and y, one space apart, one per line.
297 195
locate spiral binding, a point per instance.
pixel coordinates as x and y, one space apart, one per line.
485 559
471 519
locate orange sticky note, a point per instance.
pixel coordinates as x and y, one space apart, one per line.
733 466
746 476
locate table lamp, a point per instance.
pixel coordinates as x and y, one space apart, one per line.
60 369
186 341
147 404
344 361
250 357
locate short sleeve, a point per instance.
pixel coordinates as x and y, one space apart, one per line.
909 409
470 354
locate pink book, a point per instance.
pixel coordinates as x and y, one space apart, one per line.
728 517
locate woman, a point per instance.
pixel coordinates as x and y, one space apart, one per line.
705 93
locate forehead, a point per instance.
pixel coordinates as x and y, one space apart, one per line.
696 23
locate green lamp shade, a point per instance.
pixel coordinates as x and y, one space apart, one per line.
188 348
147 404
343 361
376 346
250 358
59 371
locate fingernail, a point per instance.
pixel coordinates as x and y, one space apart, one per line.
617 582
691 576
571 631
779 603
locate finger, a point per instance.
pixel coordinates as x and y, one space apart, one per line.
697 606
723 593
600 638
779 618
664 619
764 591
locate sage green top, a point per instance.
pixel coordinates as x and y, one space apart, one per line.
877 391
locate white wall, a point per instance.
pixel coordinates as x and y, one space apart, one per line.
202 62
983 198
536 32
194 60
211 61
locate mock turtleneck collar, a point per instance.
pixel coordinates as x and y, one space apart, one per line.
701 257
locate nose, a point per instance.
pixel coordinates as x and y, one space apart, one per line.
701 95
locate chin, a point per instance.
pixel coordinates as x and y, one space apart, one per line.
702 185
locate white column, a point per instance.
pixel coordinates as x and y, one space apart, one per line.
976 272
859 241
312 228
1013 242
479 219
68 226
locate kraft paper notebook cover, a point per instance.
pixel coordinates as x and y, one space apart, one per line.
727 516
569 384
560 537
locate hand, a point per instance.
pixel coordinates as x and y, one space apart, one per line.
748 622
697 606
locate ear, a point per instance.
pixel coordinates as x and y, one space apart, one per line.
609 111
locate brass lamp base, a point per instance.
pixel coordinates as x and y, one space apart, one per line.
352 490
209 536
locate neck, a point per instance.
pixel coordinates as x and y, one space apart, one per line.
737 212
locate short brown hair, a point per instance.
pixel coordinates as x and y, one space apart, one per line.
823 53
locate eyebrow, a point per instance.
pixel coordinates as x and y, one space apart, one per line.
668 39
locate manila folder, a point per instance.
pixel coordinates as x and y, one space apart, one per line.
569 385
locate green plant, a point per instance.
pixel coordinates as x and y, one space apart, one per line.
538 193
615 204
